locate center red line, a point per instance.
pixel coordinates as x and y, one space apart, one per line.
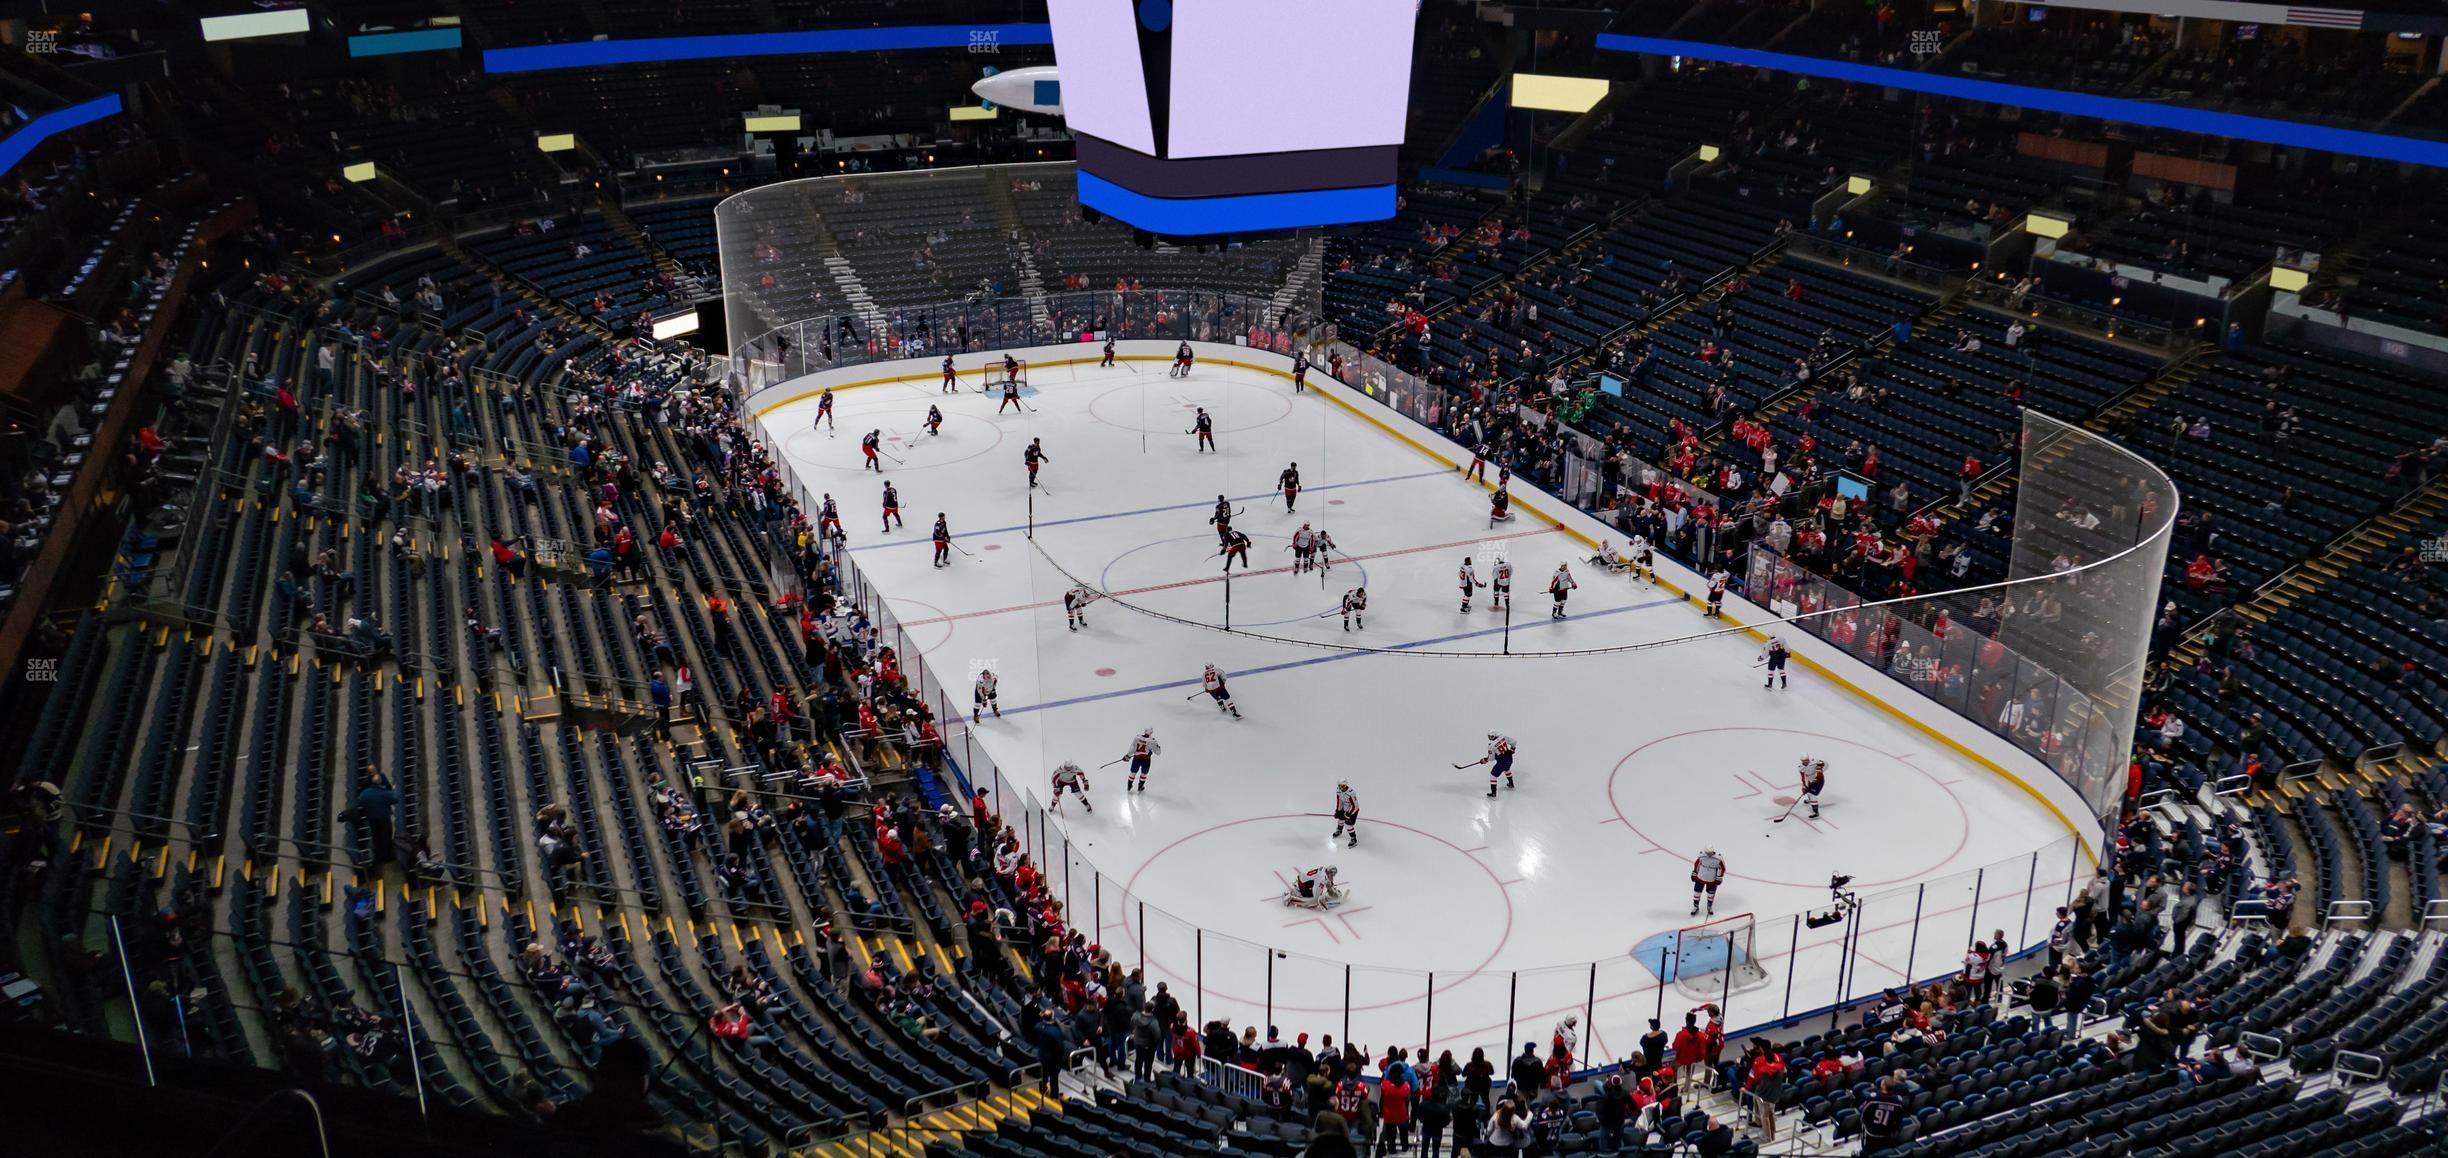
1218 578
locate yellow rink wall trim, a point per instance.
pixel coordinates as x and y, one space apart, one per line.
1958 747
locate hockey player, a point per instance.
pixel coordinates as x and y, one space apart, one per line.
1289 483
1500 506
943 541
934 422
1499 761
824 410
1560 585
1221 520
1707 872
1300 371
1314 888
1212 681
1075 605
1034 457
951 378
1143 751
1304 548
1478 463
1608 560
984 696
1321 550
1716 592
1775 658
1204 427
1347 813
1500 585
1470 583
1107 364
1814 782
1644 560
1068 777
1236 546
1182 361
1355 608
1011 397
869 443
892 507
1011 371
828 520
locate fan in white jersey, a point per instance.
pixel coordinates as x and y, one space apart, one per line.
1212 682
1314 888
985 696
1069 777
1347 812
1500 587
1355 608
1143 751
1470 582
1707 872
1561 586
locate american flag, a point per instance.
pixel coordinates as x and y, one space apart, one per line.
2325 17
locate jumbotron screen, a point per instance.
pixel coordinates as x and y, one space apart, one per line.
1222 116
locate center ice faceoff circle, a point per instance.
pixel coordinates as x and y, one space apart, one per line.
1885 821
1183 576
1401 878
1163 406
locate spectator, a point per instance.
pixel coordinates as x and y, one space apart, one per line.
1330 1137
731 1027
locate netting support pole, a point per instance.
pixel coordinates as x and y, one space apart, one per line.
2031 884
1725 993
1270 1013
1096 885
1661 989
1589 1010
1512 1004
1143 936
1912 949
1346 1005
1793 948
1198 980
1428 1022
1977 879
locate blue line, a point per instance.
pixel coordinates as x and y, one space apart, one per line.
15 146
1245 213
1290 664
2353 142
1366 482
645 50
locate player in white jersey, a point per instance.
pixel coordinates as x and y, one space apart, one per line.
1069 777
1717 581
1212 682
1775 658
1075 605
1814 782
984 696
1608 560
1347 812
1143 752
1321 550
1707 872
1314 888
1500 585
1304 548
1644 560
1470 582
1561 586
1355 607
1499 760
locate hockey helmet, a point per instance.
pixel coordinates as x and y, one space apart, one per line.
1342 784
1147 731
1819 764
1491 735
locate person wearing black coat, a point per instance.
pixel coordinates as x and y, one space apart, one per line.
1613 1107
1435 1113
1529 1073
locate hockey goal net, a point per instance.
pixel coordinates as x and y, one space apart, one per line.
990 375
1716 957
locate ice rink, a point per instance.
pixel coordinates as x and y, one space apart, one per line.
1471 921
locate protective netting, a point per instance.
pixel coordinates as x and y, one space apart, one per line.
2051 658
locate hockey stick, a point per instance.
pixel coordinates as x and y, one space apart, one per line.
964 553
1472 764
1196 694
1789 807
1111 763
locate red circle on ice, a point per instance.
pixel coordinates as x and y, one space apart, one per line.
1105 671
